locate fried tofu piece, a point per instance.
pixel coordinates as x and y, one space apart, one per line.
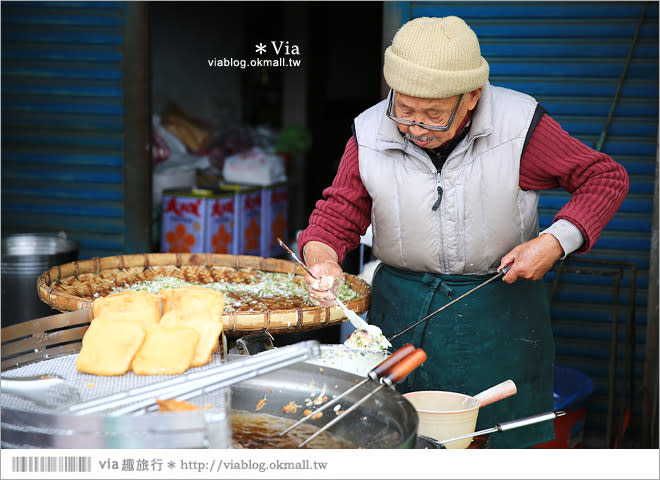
135 306
193 299
209 331
166 351
109 346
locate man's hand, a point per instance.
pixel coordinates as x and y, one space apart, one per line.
323 263
531 260
328 277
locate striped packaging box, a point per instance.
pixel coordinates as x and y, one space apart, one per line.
221 234
274 218
183 221
248 217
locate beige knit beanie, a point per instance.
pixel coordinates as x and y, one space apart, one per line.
435 58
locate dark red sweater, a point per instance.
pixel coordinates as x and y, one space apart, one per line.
551 159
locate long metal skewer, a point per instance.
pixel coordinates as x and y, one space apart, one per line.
357 321
494 277
397 373
295 257
374 374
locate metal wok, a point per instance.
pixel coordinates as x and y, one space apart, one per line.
387 420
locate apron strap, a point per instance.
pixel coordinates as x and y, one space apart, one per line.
435 284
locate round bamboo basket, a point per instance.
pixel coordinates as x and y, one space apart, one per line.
75 285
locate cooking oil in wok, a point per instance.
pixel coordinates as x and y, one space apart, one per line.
259 430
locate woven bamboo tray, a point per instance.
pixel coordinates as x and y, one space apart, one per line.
75 285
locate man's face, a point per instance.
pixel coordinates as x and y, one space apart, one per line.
432 111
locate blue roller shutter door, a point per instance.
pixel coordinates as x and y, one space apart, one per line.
571 56
64 128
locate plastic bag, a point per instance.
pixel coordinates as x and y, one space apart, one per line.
190 131
254 167
178 169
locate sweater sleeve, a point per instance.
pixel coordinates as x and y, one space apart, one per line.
344 212
597 183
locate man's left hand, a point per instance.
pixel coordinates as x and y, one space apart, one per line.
531 260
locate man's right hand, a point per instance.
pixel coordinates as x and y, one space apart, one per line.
323 263
328 277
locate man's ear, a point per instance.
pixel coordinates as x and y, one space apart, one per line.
473 98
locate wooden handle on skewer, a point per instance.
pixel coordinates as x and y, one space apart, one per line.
383 367
405 366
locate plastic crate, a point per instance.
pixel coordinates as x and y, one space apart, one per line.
572 388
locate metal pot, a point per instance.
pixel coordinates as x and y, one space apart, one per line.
24 257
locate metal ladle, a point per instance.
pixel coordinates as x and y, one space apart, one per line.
50 391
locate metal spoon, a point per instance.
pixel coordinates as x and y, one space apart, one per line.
357 321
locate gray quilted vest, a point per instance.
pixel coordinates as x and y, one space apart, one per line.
483 213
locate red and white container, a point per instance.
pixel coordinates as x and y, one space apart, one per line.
274 218
221 234
183 221
248 218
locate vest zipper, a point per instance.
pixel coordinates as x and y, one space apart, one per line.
436 205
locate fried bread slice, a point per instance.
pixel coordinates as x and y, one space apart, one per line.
193 299
166 350
209 331
172 405
135 306
109 346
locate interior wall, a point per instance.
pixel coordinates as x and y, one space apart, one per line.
345 75
184 37
340 74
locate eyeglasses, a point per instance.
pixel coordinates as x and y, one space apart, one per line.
436 128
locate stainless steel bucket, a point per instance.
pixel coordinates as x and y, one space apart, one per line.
25 256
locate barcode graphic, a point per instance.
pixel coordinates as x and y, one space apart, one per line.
51 464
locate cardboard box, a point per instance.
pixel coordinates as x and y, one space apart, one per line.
222 232
199 221
183 221
248 217
274 218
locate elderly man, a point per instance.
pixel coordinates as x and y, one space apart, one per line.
447 170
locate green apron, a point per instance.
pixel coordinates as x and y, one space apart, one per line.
502 331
